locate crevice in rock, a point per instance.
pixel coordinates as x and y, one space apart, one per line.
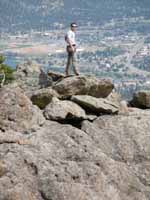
8 142
143 181
140 158
31 166
3 130
43 196
75 179
19 142
75 158
77 123
56 175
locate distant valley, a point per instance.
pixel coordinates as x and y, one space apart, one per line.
44 14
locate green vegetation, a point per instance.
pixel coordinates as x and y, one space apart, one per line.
2 59
6 72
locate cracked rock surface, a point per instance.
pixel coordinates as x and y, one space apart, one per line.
103 158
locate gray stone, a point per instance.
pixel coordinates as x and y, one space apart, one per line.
43 97
141 99
61 110
17 111
124 138
95 105
84 85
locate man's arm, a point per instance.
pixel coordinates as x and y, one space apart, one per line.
68 41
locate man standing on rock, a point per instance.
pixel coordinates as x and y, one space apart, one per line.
71 49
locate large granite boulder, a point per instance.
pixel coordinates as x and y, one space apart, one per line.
141 99
62 110
84 85
43 97
95 105
30 77
16 110
60 162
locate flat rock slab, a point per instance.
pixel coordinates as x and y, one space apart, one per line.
95 105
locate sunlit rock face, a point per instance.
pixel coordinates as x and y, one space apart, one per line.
81 148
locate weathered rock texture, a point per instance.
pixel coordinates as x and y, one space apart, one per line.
43 97
84 85
96 105
100 161
107 159
17 111
63 110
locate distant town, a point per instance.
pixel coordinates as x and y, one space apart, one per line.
119 50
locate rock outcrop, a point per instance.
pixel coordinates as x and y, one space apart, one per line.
83 85
45 157
141 99
63 162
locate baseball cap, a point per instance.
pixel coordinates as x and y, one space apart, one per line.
73 24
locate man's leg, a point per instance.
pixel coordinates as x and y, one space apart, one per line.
74 63
69 61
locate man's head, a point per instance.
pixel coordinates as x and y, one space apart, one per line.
73 26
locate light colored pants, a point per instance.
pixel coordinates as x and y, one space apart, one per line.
71 62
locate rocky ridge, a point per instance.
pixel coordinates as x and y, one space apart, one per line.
72 139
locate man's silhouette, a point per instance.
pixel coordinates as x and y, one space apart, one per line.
71 49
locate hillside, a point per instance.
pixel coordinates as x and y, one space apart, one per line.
38 14
15 15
